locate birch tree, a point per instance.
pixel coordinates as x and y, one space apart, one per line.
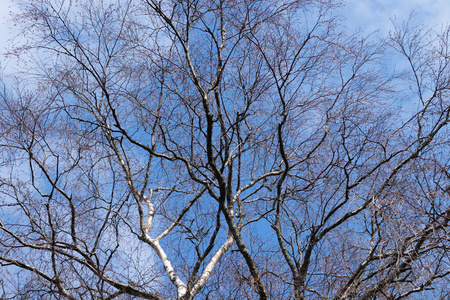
217 149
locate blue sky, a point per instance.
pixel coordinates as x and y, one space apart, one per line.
372 15
5 29
369 15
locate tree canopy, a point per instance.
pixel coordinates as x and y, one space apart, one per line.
222 149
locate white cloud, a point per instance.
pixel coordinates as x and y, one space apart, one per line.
6 6
376 15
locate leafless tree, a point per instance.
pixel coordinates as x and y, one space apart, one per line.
218 149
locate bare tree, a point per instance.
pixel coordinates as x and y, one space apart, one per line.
223 150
